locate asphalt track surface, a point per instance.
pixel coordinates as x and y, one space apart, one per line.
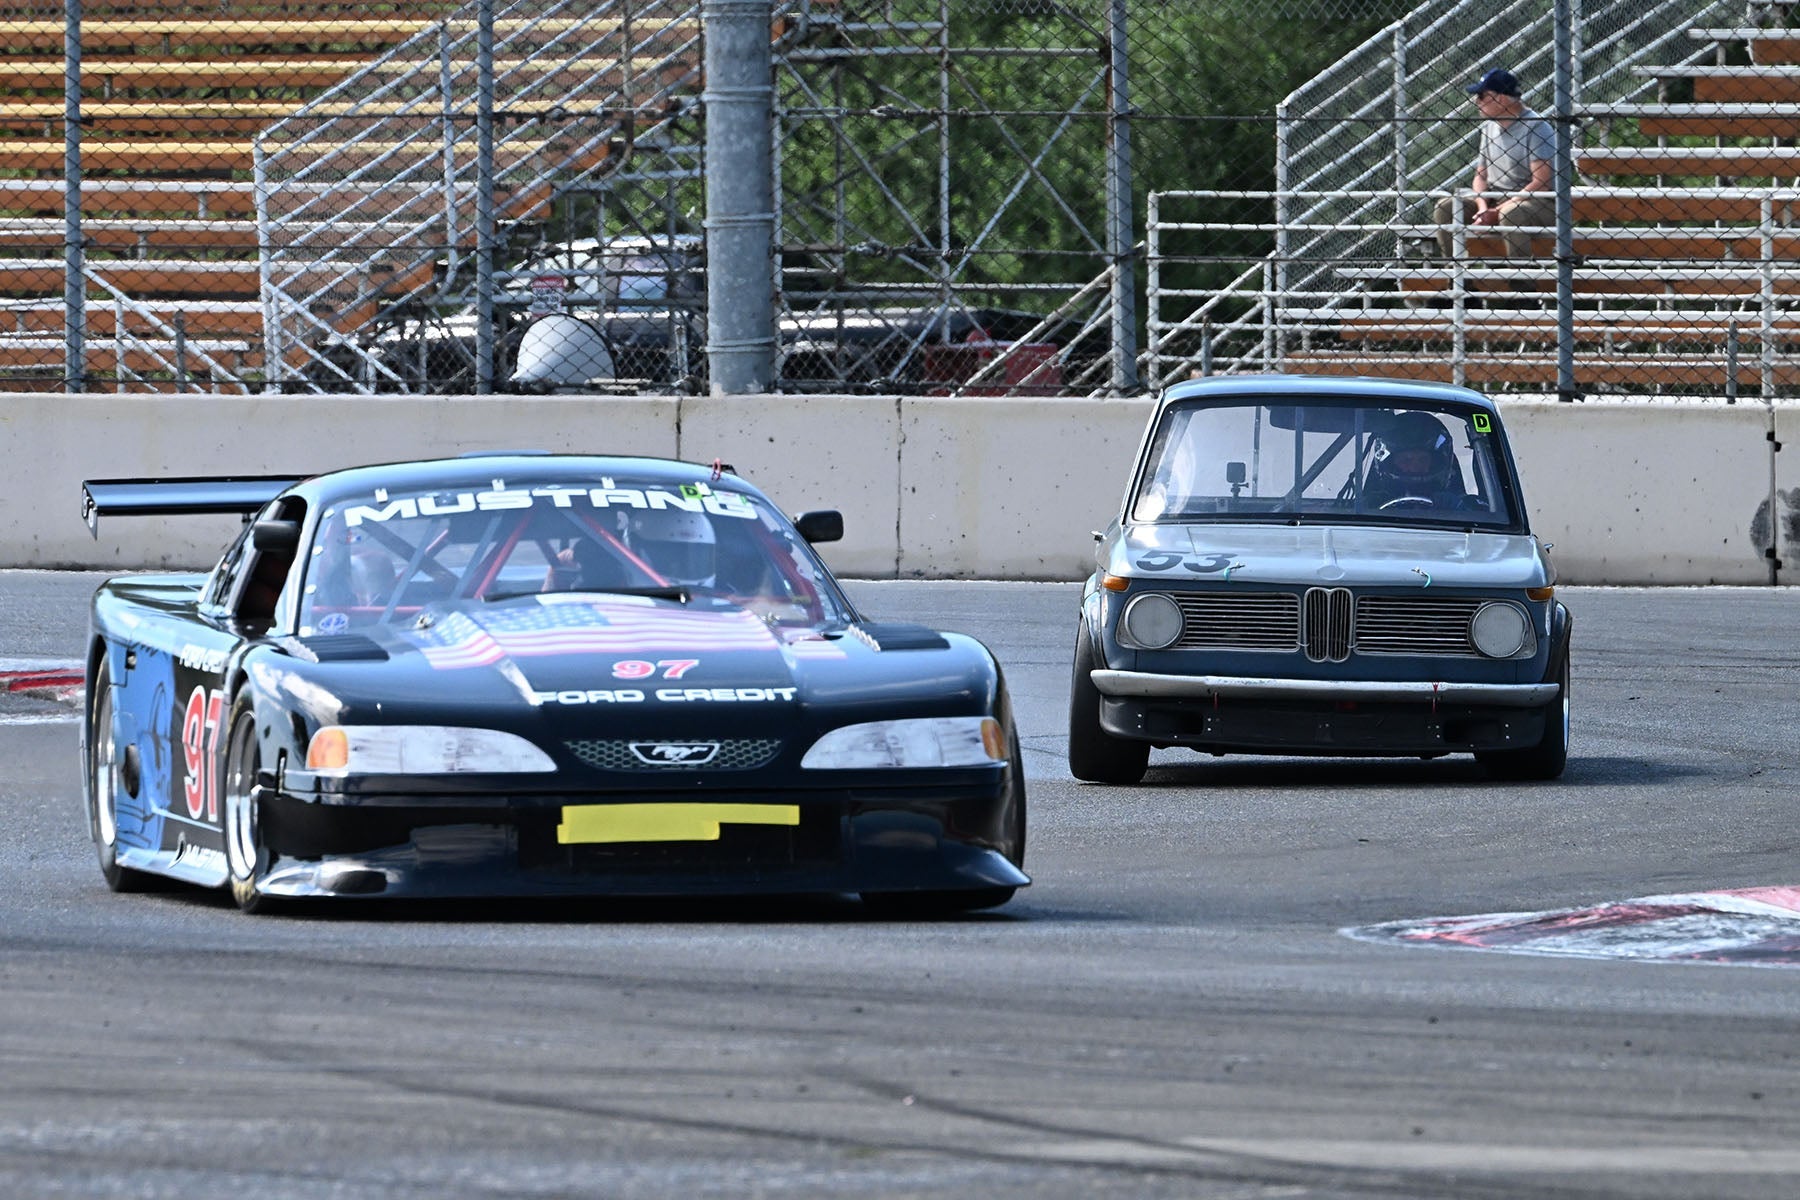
1172 1010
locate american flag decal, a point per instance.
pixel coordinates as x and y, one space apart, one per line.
522 631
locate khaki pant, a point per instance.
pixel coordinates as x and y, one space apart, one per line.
1538 209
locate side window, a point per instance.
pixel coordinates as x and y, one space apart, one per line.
220 584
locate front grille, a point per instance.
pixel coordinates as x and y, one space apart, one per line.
1238 621
1415 625
735 754
1326 616
1329 624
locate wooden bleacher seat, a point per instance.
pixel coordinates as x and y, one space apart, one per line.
1738 162
216 279
163 34
120 75
1726 85
1767 46
1539 325
206 318
1675 245
1602 280
1640 371
138 354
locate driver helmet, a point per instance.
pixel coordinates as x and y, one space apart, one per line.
680 545
1414 456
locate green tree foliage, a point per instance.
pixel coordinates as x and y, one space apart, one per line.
1003 180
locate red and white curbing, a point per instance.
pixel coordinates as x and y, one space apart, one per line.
1745 926
43 679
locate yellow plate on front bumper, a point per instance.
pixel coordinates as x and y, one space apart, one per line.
666 822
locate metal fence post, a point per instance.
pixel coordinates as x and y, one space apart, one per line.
1565 210
1119 203
484 198
1402 117
74 252
740 206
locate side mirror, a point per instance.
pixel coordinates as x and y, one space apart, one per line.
1236 473
821 525
276 535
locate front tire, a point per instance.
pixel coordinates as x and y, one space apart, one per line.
1094 754
245 855
103 789
1547 759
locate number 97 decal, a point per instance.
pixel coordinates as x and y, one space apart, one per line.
199 744
662 668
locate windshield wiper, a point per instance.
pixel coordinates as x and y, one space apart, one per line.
680 595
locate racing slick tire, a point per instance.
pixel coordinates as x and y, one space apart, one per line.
1095 755
103 790
1546 759
912 905
245 856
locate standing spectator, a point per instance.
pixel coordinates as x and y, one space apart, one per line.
1512 172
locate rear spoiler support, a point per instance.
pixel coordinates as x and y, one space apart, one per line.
241 494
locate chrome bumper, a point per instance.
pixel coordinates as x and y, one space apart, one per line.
1205 687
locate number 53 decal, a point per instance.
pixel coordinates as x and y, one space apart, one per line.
1168 560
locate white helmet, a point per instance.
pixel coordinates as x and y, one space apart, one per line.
679 544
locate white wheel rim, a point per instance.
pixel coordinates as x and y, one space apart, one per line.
105 778
240 838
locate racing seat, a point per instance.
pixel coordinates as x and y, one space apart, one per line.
263 589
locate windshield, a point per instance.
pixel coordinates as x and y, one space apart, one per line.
386 556
1330 459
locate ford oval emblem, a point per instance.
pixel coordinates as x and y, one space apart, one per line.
675 754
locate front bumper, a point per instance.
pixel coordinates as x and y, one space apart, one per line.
1206 687
1342 717
853 840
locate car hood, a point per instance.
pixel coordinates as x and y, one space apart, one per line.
643 661
1310 555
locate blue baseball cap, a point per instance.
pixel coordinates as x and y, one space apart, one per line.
1497 80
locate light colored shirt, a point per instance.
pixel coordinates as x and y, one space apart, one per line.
1509 149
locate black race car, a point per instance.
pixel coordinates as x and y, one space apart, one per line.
521 674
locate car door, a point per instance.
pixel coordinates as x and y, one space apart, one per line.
187 648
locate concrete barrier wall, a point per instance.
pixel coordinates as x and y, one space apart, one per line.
1650 493
1664 493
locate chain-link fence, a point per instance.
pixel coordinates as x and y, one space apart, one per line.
1648 257
969 196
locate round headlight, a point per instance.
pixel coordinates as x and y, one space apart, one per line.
1153 621
1499 630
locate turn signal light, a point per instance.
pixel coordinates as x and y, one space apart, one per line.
1543 593
328 750
1114 583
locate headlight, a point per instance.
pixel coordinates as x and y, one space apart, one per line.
420 750
919 742
1501 631
1152 621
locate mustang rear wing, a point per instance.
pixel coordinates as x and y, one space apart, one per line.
242 494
